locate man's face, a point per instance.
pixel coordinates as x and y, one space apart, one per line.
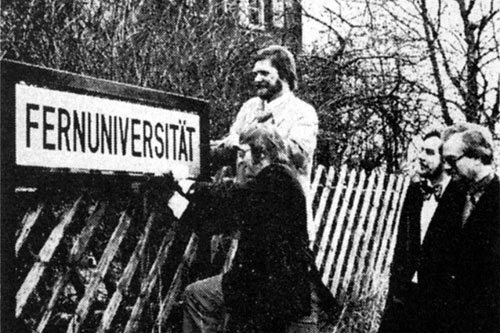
430 165
267 81
456 164
250 162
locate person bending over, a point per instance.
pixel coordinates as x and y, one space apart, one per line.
268 285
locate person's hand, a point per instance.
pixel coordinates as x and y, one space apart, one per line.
216 144
263 117
397 301
199 189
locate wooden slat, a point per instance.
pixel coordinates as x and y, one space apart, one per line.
75 255
124 282
45 255
347 235
148 284
215 243
168 302
100 271
331 214
322 203
396 227
390 212
358 280
230 255
317 177
378 234
339 225
28 222
388 232
56 291
353 255
82 242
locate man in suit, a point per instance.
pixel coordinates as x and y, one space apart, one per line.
468 156
421 297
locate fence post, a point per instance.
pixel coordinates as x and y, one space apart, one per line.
347 236
367 235
359 232
331 214
339 226
45 256
322 204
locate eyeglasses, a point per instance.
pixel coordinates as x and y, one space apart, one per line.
452 160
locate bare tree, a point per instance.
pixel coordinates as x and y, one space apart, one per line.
368 106
463 56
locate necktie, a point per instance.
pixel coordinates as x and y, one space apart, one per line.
469 205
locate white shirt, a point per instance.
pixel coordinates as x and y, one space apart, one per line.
295 120
297 123
428 209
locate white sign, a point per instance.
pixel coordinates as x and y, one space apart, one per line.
57 129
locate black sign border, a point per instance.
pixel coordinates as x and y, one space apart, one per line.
13 72
13 176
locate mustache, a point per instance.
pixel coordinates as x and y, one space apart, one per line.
261 85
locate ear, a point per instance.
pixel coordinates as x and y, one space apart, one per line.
477 162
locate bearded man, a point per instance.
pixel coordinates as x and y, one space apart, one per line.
275 79
422 283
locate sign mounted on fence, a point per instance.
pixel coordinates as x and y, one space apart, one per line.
58 129
67 121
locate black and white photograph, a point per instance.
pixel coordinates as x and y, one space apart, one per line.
250 166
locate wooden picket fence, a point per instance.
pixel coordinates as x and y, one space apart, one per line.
355 227
107 266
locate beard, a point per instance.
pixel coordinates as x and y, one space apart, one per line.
266 90
428 173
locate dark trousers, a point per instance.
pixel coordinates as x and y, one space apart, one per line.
418 311
401 313
204 312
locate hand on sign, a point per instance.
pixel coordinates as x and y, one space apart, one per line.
199 190
161 188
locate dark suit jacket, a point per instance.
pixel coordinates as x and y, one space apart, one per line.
429 305
478 268
269 280
268 284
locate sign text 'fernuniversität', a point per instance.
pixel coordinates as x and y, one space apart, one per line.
57 129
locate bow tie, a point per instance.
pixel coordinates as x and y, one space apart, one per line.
428 191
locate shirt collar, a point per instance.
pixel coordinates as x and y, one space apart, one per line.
476 189
436 189
275 103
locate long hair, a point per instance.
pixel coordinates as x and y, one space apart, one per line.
282 60
266 139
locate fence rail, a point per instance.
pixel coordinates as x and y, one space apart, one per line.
104 267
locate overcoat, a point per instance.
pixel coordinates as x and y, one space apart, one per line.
269 282
429 305
478 265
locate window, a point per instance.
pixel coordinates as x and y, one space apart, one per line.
256 12
259 14
252 13
278 13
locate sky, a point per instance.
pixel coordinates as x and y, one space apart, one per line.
316 34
